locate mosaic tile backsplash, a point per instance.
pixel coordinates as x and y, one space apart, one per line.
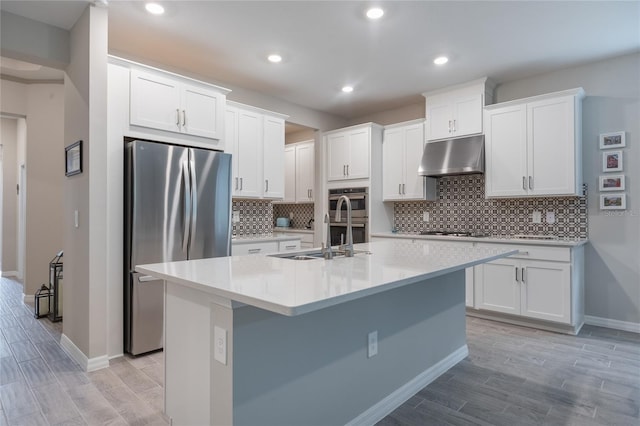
461 206
256 217
302 213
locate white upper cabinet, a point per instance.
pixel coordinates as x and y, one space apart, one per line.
533 146
299 172
273 165
402 148
168 102
457 111
256 139
348 152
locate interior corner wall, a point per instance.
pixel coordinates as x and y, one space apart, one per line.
85 245
612 103
9 233
43 107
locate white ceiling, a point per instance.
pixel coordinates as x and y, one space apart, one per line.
326 44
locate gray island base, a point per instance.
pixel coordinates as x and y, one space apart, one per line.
287 342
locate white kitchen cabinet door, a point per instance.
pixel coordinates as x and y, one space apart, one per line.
290 188
165 103
201 112
273 166
439 117
291 245
551 147
413 188
305 172
467 115
546 290
337 155
506 152
393 147
155 101
496 287
249 152
359 143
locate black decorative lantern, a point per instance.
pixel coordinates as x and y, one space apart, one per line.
55 288
42 302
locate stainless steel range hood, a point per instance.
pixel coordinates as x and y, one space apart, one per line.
459 156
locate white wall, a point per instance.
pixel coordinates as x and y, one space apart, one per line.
612 103
43 154
9 202
397 115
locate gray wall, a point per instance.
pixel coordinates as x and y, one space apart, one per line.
612 103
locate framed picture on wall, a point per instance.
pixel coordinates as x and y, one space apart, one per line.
611 183
612 140
612 161
613 201
73 159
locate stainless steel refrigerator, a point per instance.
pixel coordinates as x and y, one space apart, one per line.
177 207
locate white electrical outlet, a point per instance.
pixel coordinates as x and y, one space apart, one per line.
425 216
236 216
220 339
372 344
551 217
76 222
536 217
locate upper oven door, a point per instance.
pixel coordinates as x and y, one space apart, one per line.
358 206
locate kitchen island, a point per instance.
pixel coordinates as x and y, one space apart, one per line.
274 341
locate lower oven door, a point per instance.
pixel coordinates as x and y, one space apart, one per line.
339 233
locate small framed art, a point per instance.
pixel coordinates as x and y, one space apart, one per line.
612 140
612 161
73 159
611 183
613 201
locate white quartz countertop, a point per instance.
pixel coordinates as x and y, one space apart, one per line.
264 238
294 287
506 239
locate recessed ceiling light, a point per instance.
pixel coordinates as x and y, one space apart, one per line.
347 89
274 58
154 8
441 60
375 13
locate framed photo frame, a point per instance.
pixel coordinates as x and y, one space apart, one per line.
613 201
612 161
73 159
611 183
612 140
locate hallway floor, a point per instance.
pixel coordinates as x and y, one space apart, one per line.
513 376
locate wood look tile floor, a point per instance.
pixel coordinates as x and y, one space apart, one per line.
512 376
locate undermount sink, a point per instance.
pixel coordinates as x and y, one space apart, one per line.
316 254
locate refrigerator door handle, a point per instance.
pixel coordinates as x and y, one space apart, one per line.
194 204
187 205
147 278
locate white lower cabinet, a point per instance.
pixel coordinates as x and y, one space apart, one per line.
292 245
540 283
469 290
255 248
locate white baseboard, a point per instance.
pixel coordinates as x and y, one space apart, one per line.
28 298
398 397
87 364
633 327
10 274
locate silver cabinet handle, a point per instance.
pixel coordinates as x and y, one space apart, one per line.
347 170
454 126
399 188
522 275
241 184
184 118
517 279
266 182
178 117
449 126
524 183
290 247
255 250
403 190
236 183
530 182
344 170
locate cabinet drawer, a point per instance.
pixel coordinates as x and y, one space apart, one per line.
255 248
556 254
307 238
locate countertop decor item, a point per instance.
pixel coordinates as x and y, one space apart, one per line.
283 222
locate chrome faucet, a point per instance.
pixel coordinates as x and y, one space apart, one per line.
348 246
326 250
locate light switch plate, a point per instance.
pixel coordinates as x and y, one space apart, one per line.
425 216
236 216
220 342
536 217
372 344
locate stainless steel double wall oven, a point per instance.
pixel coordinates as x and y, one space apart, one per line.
359 214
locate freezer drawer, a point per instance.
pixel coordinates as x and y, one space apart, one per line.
146 314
